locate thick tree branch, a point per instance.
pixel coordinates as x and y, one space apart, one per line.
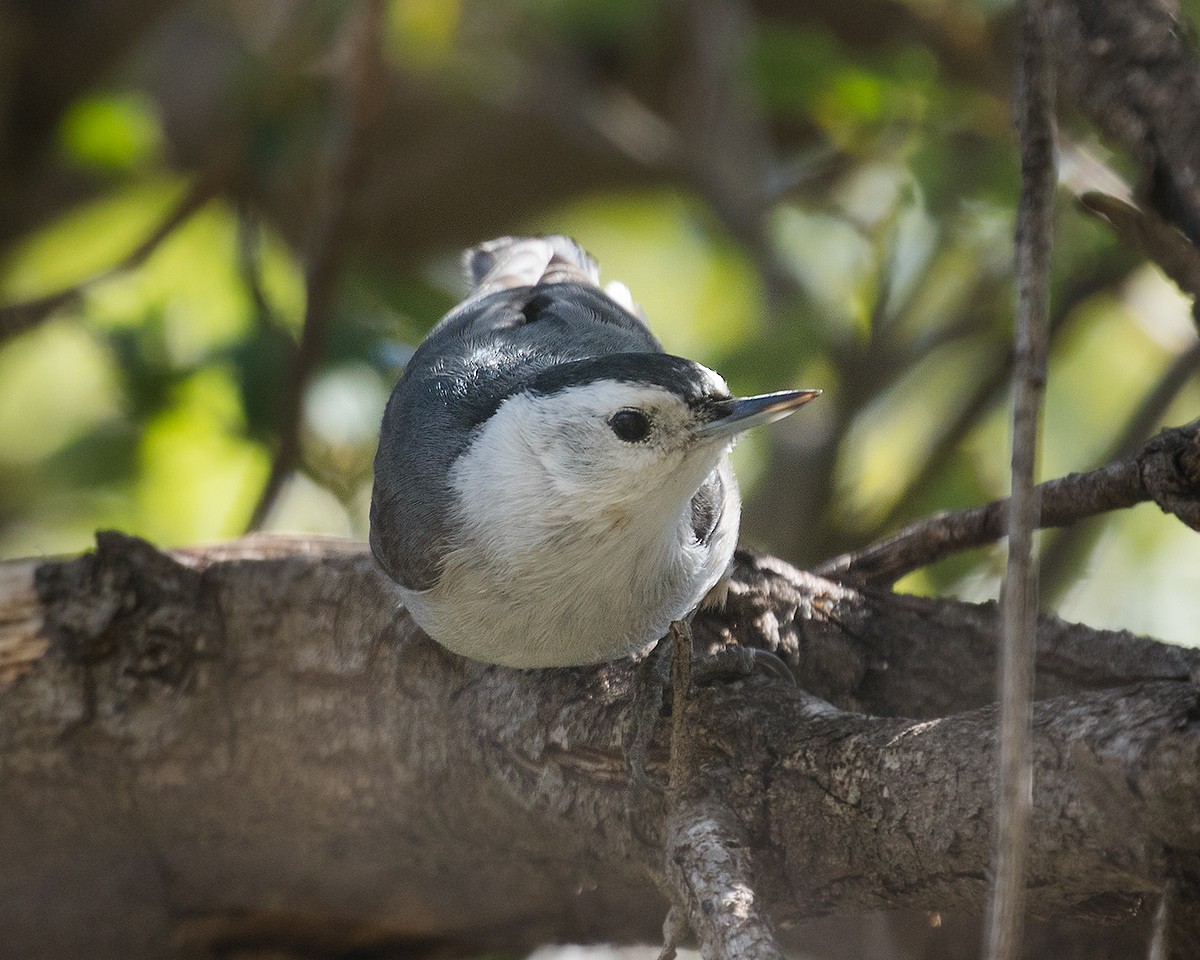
217 743
1166 471
22 642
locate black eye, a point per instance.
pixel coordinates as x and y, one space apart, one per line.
630 425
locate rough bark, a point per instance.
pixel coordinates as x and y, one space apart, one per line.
251 744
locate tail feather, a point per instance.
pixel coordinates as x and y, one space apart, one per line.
529 261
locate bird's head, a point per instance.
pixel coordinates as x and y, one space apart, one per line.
620 435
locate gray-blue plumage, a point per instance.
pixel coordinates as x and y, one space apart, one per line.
551 488
523 338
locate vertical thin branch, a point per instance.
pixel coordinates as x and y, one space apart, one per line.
682 745
1158 939
1014 790
708 868
327 242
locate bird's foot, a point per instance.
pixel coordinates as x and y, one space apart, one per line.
736 662
653 678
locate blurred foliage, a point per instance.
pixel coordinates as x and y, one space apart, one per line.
880 272
111 133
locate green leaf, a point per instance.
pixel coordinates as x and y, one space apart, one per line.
200 477
56 382
87 239
111 132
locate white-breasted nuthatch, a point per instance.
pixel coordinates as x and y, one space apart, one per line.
551 488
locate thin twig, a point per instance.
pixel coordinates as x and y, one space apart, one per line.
681 765
1149 233
1060 556
1166 470
674 930
250 264
327 242
16 318
1014 789
1159 945
989 390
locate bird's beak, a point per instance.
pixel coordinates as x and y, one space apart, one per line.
741 413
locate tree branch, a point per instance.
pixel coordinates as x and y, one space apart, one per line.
708 860
1063 554
1019 598
222 740
1151 235
1166 471
1132 68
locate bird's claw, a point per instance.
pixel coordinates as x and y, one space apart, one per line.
738 661
653 677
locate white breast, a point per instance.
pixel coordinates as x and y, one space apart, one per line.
552 574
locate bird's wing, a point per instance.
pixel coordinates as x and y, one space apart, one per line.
708 507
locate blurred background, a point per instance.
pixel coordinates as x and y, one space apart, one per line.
224 224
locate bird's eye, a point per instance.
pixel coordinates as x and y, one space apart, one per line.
630 425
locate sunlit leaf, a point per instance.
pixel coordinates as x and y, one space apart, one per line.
56 382
111 132
199 477
831 258
891 438
192 286
87 239
342 411
1164 554
1109 360
420 33
304 506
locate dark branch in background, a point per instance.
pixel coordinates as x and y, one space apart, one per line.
1166 470
1132 69
991 387
1152 235
364 73
249 262
723 145
16 318
1014 787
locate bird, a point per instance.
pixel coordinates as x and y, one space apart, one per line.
552 488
